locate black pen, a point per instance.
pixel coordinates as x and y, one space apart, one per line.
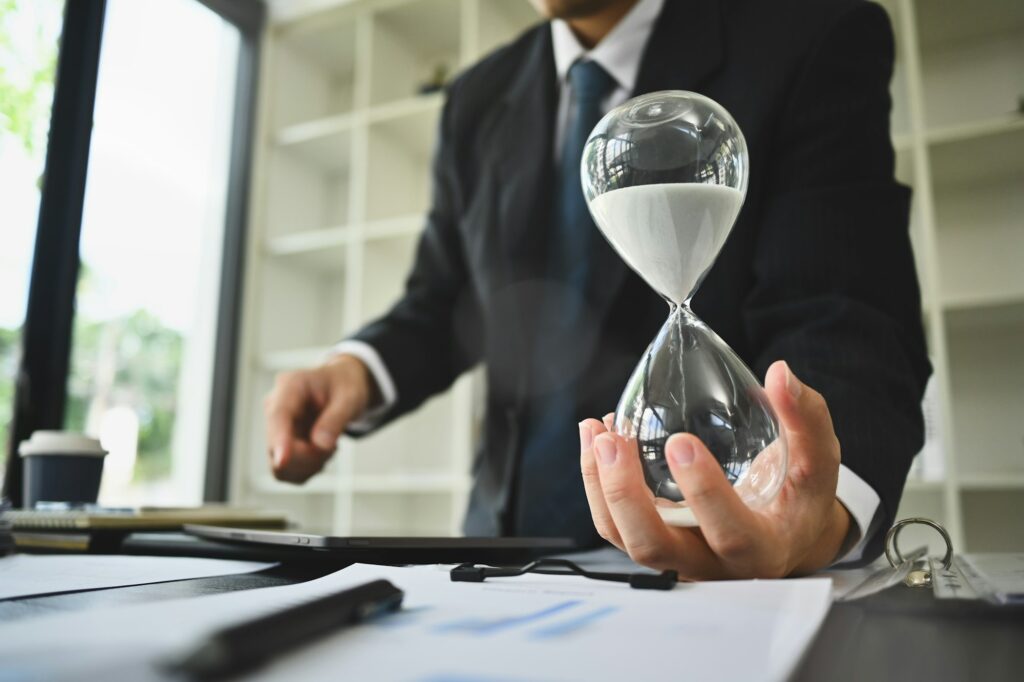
244 646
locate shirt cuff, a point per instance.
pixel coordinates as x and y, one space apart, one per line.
861 501
388 393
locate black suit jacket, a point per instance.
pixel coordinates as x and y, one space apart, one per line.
817 271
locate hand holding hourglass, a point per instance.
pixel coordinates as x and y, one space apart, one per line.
800 531
695 440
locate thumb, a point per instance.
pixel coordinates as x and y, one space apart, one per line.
804 416
336 415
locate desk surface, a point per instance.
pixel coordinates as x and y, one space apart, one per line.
901 634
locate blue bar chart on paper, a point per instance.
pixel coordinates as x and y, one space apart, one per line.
550 622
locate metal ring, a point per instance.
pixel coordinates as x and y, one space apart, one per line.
892 550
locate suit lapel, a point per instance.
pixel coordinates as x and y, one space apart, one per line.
523 155
684 48
520 151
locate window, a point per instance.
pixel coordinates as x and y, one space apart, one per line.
29 34
153 223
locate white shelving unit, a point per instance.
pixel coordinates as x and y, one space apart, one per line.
341 189
342 184
960 136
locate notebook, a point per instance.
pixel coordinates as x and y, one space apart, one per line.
141 518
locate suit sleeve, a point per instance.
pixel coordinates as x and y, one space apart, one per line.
423 340
836 292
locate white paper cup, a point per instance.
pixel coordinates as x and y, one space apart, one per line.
61 466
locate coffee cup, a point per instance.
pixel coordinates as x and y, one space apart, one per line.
61 466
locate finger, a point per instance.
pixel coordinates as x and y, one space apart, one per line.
813 447
800 408
284 407
589 429
301 462
327 429
609 421
644 535
728 525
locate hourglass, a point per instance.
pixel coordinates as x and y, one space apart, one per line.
665 175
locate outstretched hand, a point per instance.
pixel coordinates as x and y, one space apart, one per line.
308 410
801 531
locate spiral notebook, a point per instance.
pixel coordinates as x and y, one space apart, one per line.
140 518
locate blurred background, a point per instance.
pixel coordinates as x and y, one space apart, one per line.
257 179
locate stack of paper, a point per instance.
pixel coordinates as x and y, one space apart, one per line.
528 628
23 575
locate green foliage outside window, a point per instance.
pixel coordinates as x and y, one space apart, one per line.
132 360
25 97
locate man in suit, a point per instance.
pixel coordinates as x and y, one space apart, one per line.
816 280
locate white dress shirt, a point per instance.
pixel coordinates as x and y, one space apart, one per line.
619 53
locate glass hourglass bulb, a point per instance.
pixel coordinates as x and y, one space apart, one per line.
665 175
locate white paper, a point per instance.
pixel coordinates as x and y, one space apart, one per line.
527 628
23 575
856 583
998 578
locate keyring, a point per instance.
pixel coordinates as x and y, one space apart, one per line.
892 550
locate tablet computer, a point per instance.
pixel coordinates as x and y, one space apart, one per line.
398 550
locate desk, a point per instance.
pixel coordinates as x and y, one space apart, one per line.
901 634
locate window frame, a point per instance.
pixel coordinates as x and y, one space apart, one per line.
40 398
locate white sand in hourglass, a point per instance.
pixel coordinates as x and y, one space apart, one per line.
669 233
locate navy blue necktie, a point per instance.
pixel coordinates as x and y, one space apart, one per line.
550 499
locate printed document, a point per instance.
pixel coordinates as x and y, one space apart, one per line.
534 627
23 575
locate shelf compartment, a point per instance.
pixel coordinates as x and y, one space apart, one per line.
967 315
981 262
993 520
904 170
324 145
387 262
315 130
421 446
421 105
917 243
317 249
303 196
292 358
410 41
964 132
323 483
978 213
971 56
929 466
986 363
992 482
969 155
919 486
299 307
404 514
385 484
400 149
300 504
404 226
313 69
927 502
